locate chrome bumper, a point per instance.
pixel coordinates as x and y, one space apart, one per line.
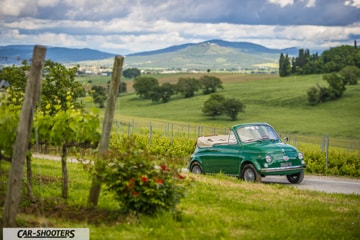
282 169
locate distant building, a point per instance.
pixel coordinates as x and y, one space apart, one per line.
4 84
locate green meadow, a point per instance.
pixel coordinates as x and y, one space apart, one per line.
215 207
282 102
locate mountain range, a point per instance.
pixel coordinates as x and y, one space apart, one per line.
212 54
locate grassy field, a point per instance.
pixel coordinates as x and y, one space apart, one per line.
282 102
216 207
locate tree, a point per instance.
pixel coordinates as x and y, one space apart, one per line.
57 83
144 86
336 85
301 60
351 74
188 86
232 107
318 95
337 58
131 73
214 105
331 60
163 93
334 91
210 84
284 65
122 88
99 95
313 96
16 75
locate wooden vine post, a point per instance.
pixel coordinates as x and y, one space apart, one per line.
107 126
32 92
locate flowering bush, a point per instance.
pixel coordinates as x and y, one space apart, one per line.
138 183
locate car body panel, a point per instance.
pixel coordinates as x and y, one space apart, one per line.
249 143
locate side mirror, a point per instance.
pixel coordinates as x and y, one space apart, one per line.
286 139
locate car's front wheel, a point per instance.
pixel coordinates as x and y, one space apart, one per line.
295 178
249 174
196 168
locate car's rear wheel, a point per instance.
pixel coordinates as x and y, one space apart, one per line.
249 174
295 178
196 168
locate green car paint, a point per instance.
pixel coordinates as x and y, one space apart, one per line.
250 151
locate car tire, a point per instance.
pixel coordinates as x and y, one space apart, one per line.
295 178
249 174
196 168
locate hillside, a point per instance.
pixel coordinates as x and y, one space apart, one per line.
15 54
280 101
203 56
213 54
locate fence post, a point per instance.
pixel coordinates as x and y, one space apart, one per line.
172 133
150 134
23 132
107 127
323 144
37 139
128 129
327 150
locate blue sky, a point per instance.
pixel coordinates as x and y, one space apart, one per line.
127 26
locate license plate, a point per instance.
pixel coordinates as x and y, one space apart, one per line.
287 164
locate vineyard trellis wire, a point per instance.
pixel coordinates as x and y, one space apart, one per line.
191 131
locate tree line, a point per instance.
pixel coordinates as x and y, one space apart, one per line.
340 66
216 105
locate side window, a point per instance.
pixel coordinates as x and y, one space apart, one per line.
232 138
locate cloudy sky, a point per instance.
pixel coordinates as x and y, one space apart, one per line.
127 26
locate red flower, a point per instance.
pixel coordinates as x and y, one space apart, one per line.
160 181
181 177
144 179
163 167
135 194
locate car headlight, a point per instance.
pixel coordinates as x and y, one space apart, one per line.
268 158
300 155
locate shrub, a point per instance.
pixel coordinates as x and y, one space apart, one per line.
340 162
139 185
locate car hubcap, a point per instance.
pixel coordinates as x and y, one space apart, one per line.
196 169
249 175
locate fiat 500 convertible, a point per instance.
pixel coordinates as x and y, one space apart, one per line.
250 151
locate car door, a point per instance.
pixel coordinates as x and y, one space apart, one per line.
224 158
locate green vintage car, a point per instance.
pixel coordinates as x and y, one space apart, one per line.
250 151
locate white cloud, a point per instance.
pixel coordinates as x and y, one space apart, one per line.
282 3
311 3
353 3
15 8
125 26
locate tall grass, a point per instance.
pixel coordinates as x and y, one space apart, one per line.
216 207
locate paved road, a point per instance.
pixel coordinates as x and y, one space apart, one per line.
317 183
321 183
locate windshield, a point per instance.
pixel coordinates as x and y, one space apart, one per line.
257 133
